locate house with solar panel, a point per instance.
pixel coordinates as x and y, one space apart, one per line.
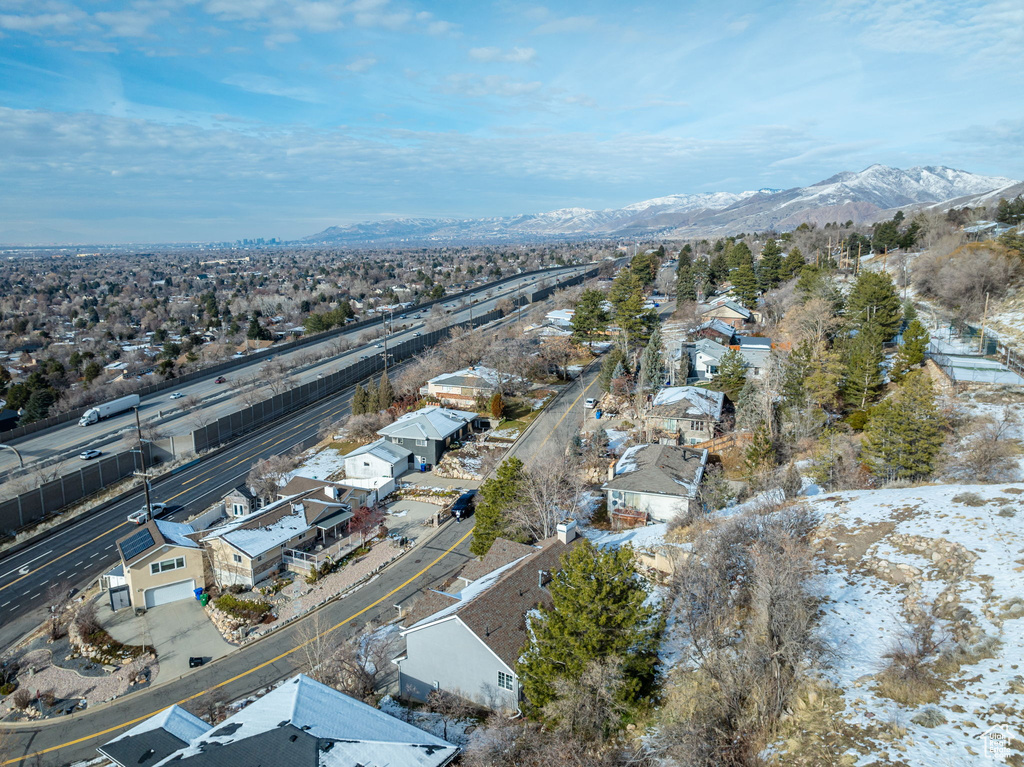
301 723
160 563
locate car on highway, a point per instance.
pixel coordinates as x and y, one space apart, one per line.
177 395
220 379
363 356
86 455
139 517
590 403
378 346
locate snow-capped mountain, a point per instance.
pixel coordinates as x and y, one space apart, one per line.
863 197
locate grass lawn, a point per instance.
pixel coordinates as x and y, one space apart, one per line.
345 447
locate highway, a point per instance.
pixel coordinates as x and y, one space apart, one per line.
75 737
66 441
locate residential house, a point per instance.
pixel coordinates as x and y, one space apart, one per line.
252 346
429 431
716 330
160 563
654 483
692 413
377 465
279 536
464 388
731 313
301 723
706 355
468 643
241 501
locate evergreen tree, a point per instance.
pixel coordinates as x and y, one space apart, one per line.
731 375
589 318
497 498
359 400
863 368
634 320
645 266
599 610
738 255
385 392
256 331
611 360
769 268
760 456
874 301
793 263
652 366
718 269
909 312
912 350
686 286
702 276
903 436
497 406
744 284
38 405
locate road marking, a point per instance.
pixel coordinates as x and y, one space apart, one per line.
567 411
95 555
263 665
6 603
61 573
26 564
36 596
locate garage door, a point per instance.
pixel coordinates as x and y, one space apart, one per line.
172 592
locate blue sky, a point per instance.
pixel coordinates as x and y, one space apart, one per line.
183 120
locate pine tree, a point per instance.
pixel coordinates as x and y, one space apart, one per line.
912 350
769 268
718 269
385 392
370 403
904 433
793 263
686 286
498 497
359 400
738 255
863 369
38 406
731 375
744 284
589 317
599 610
611 360
634 320
652 366
497 406
874 301
760 456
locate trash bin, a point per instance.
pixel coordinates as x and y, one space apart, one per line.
204 600
198 593
423 467
597 414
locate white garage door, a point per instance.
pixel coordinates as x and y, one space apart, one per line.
172 592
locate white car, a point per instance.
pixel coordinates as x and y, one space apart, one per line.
139 517
590 403
177 395
89 454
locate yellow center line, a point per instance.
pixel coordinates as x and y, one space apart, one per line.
285 654
567 411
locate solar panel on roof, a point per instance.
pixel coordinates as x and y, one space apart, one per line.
138 543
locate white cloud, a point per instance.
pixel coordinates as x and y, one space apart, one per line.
361 65
271 86
476 86
515 55
568 25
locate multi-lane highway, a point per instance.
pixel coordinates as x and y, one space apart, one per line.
216 400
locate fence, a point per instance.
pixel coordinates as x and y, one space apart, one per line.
50 497
227 365
33 506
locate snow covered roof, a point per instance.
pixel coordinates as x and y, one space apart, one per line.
718 326
155 739
730 304
473 377
264 529
704 402
175 532
660 470
432 422
304 723
560 316
710 348
386 451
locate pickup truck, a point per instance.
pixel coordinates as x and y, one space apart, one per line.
139 517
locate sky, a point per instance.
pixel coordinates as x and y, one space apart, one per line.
209 120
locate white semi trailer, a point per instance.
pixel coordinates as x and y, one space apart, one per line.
107 409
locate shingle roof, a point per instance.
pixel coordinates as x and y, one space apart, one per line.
475 377
155 739
501 553
682 401
660 469
432 422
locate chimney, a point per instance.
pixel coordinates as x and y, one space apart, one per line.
542 578
566 530
611 470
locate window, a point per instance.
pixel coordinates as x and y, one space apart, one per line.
168 564
366 463
421 443
237 509
236 557
696 426
506 681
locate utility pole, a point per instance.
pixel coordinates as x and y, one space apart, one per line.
984 318
143 474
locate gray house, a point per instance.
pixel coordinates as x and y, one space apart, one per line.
469 642
654 483
428 432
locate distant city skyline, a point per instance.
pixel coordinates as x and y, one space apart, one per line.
214 120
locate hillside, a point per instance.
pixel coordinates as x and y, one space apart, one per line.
863 197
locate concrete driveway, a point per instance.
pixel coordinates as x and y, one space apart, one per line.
178 630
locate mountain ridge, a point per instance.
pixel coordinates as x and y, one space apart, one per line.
865 196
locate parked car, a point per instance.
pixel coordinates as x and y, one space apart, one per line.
220 379
196 661
590 403
177 395
463 505
86 455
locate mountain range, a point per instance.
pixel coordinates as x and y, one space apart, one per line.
872 194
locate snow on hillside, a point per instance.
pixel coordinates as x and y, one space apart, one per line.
956 551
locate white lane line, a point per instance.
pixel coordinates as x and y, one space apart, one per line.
109 547
61 573
6 603
26 564
36 596
95 555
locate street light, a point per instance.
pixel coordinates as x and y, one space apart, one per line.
21 461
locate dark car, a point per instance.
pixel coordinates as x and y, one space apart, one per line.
463 506
220 379
196 661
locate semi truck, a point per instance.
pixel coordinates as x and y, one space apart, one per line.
107 409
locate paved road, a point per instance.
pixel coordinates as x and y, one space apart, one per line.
70 439
278 656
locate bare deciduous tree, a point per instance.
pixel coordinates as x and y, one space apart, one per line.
553 491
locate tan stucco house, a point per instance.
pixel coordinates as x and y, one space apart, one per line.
160 563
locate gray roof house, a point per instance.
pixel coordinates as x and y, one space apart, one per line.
302 723
429 431
691 412
468 643
378 459
654 483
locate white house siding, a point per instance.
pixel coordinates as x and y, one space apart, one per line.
368 466
448 656
661 508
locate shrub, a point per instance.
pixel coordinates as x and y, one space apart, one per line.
22 698
7 689
251 610
929 716
969 499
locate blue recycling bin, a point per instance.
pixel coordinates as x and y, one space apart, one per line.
423 467
198 593
597 414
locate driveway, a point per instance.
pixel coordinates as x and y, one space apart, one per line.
178 630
